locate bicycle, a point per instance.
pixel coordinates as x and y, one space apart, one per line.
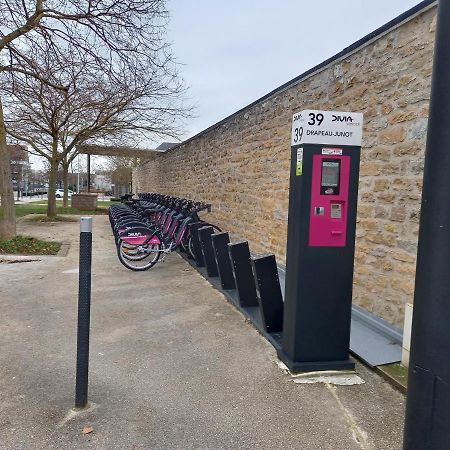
144 230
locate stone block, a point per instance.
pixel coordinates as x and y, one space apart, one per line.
392 135
84 201
402 116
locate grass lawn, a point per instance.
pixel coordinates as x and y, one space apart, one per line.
40 207
27 245
44 218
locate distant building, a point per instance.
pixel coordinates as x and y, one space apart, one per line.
20 165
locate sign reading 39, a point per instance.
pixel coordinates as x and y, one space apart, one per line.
326 127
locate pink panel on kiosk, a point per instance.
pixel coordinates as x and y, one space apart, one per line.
329 201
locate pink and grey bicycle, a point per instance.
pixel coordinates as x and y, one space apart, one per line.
146 231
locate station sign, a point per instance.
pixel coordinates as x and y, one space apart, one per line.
327 127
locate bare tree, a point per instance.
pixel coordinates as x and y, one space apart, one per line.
94 107
116 34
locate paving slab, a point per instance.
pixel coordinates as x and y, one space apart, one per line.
173 365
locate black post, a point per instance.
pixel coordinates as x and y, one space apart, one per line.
84 312
204 235
428 402
196 247
225 269
243 273
268 289
89 172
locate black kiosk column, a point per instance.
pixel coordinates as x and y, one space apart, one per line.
323 197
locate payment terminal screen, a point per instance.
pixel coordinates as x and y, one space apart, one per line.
330 177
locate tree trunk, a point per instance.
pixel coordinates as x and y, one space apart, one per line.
66 185
7 209
53 177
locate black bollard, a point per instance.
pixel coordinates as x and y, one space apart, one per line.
269 292
204 235
196 247
225 269
243 273
84 312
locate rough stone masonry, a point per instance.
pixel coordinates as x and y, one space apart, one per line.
241 165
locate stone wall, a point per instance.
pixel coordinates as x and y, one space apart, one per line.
241 166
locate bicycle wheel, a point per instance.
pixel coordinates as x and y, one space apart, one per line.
134 252
185 245
189 247
144 258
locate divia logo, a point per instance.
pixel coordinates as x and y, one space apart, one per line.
135 234
345 119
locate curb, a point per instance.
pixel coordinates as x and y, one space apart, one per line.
64 249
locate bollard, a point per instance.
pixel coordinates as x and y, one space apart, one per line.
269 292
204 235
196 248
84 312
220 243
243 274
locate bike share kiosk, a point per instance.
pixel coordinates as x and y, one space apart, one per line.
325 153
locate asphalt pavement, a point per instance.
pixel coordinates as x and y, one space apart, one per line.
173 365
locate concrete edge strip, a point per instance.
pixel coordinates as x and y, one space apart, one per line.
377 324
64 249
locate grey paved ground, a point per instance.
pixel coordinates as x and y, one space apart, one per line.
173 366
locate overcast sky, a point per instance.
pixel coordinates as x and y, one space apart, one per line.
235 51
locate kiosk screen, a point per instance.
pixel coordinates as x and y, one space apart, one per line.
330 177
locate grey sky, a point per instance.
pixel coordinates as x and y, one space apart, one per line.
234 52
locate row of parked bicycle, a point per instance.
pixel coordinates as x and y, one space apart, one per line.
150 226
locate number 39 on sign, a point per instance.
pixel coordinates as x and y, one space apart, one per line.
326 127
297 128
315 118
298 133
300 119
298 123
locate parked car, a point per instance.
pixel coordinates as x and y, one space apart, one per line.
60 193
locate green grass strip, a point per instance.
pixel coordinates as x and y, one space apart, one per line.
41 208
27 245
